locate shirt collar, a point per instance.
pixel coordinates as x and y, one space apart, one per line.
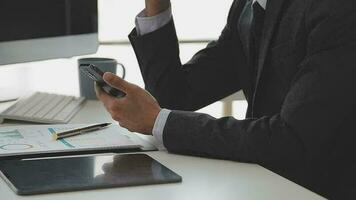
263 3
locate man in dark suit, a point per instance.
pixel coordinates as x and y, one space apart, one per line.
295 60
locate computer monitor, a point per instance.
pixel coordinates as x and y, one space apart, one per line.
33 30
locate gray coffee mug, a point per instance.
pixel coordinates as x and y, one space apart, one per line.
86 85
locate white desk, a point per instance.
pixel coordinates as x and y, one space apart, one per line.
203 179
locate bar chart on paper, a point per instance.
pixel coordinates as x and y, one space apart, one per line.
38 139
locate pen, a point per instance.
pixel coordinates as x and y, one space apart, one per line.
78 131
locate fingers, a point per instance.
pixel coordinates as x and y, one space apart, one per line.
102 96
110 102
117 82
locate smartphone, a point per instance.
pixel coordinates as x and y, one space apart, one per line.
96 74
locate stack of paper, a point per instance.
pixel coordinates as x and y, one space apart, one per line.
27 140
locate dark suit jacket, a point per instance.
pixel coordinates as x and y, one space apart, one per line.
301 116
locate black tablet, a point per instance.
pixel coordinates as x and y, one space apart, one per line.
28 177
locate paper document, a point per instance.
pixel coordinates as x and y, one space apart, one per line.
22 140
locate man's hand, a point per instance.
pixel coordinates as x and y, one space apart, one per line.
154 7
137 111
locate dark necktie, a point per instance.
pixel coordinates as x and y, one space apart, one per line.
250 28
256 30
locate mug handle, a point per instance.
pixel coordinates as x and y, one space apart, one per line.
123 70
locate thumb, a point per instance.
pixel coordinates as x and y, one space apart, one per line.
116 82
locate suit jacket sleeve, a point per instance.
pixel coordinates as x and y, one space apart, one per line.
209 76
319 99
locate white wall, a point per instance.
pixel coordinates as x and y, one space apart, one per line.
194 19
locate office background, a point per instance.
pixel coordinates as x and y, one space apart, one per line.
116 20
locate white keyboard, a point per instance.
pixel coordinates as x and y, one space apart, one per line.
44 108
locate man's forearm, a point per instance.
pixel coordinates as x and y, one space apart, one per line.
154 7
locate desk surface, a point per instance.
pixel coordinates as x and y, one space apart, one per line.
202 178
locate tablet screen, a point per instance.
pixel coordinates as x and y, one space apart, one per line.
28 177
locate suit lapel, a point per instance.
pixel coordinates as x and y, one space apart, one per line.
273 11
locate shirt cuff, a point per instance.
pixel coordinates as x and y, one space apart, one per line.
158 128
145 25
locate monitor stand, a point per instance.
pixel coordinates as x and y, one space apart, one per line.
9 94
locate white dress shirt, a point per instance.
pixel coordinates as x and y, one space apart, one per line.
145 25
263 3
